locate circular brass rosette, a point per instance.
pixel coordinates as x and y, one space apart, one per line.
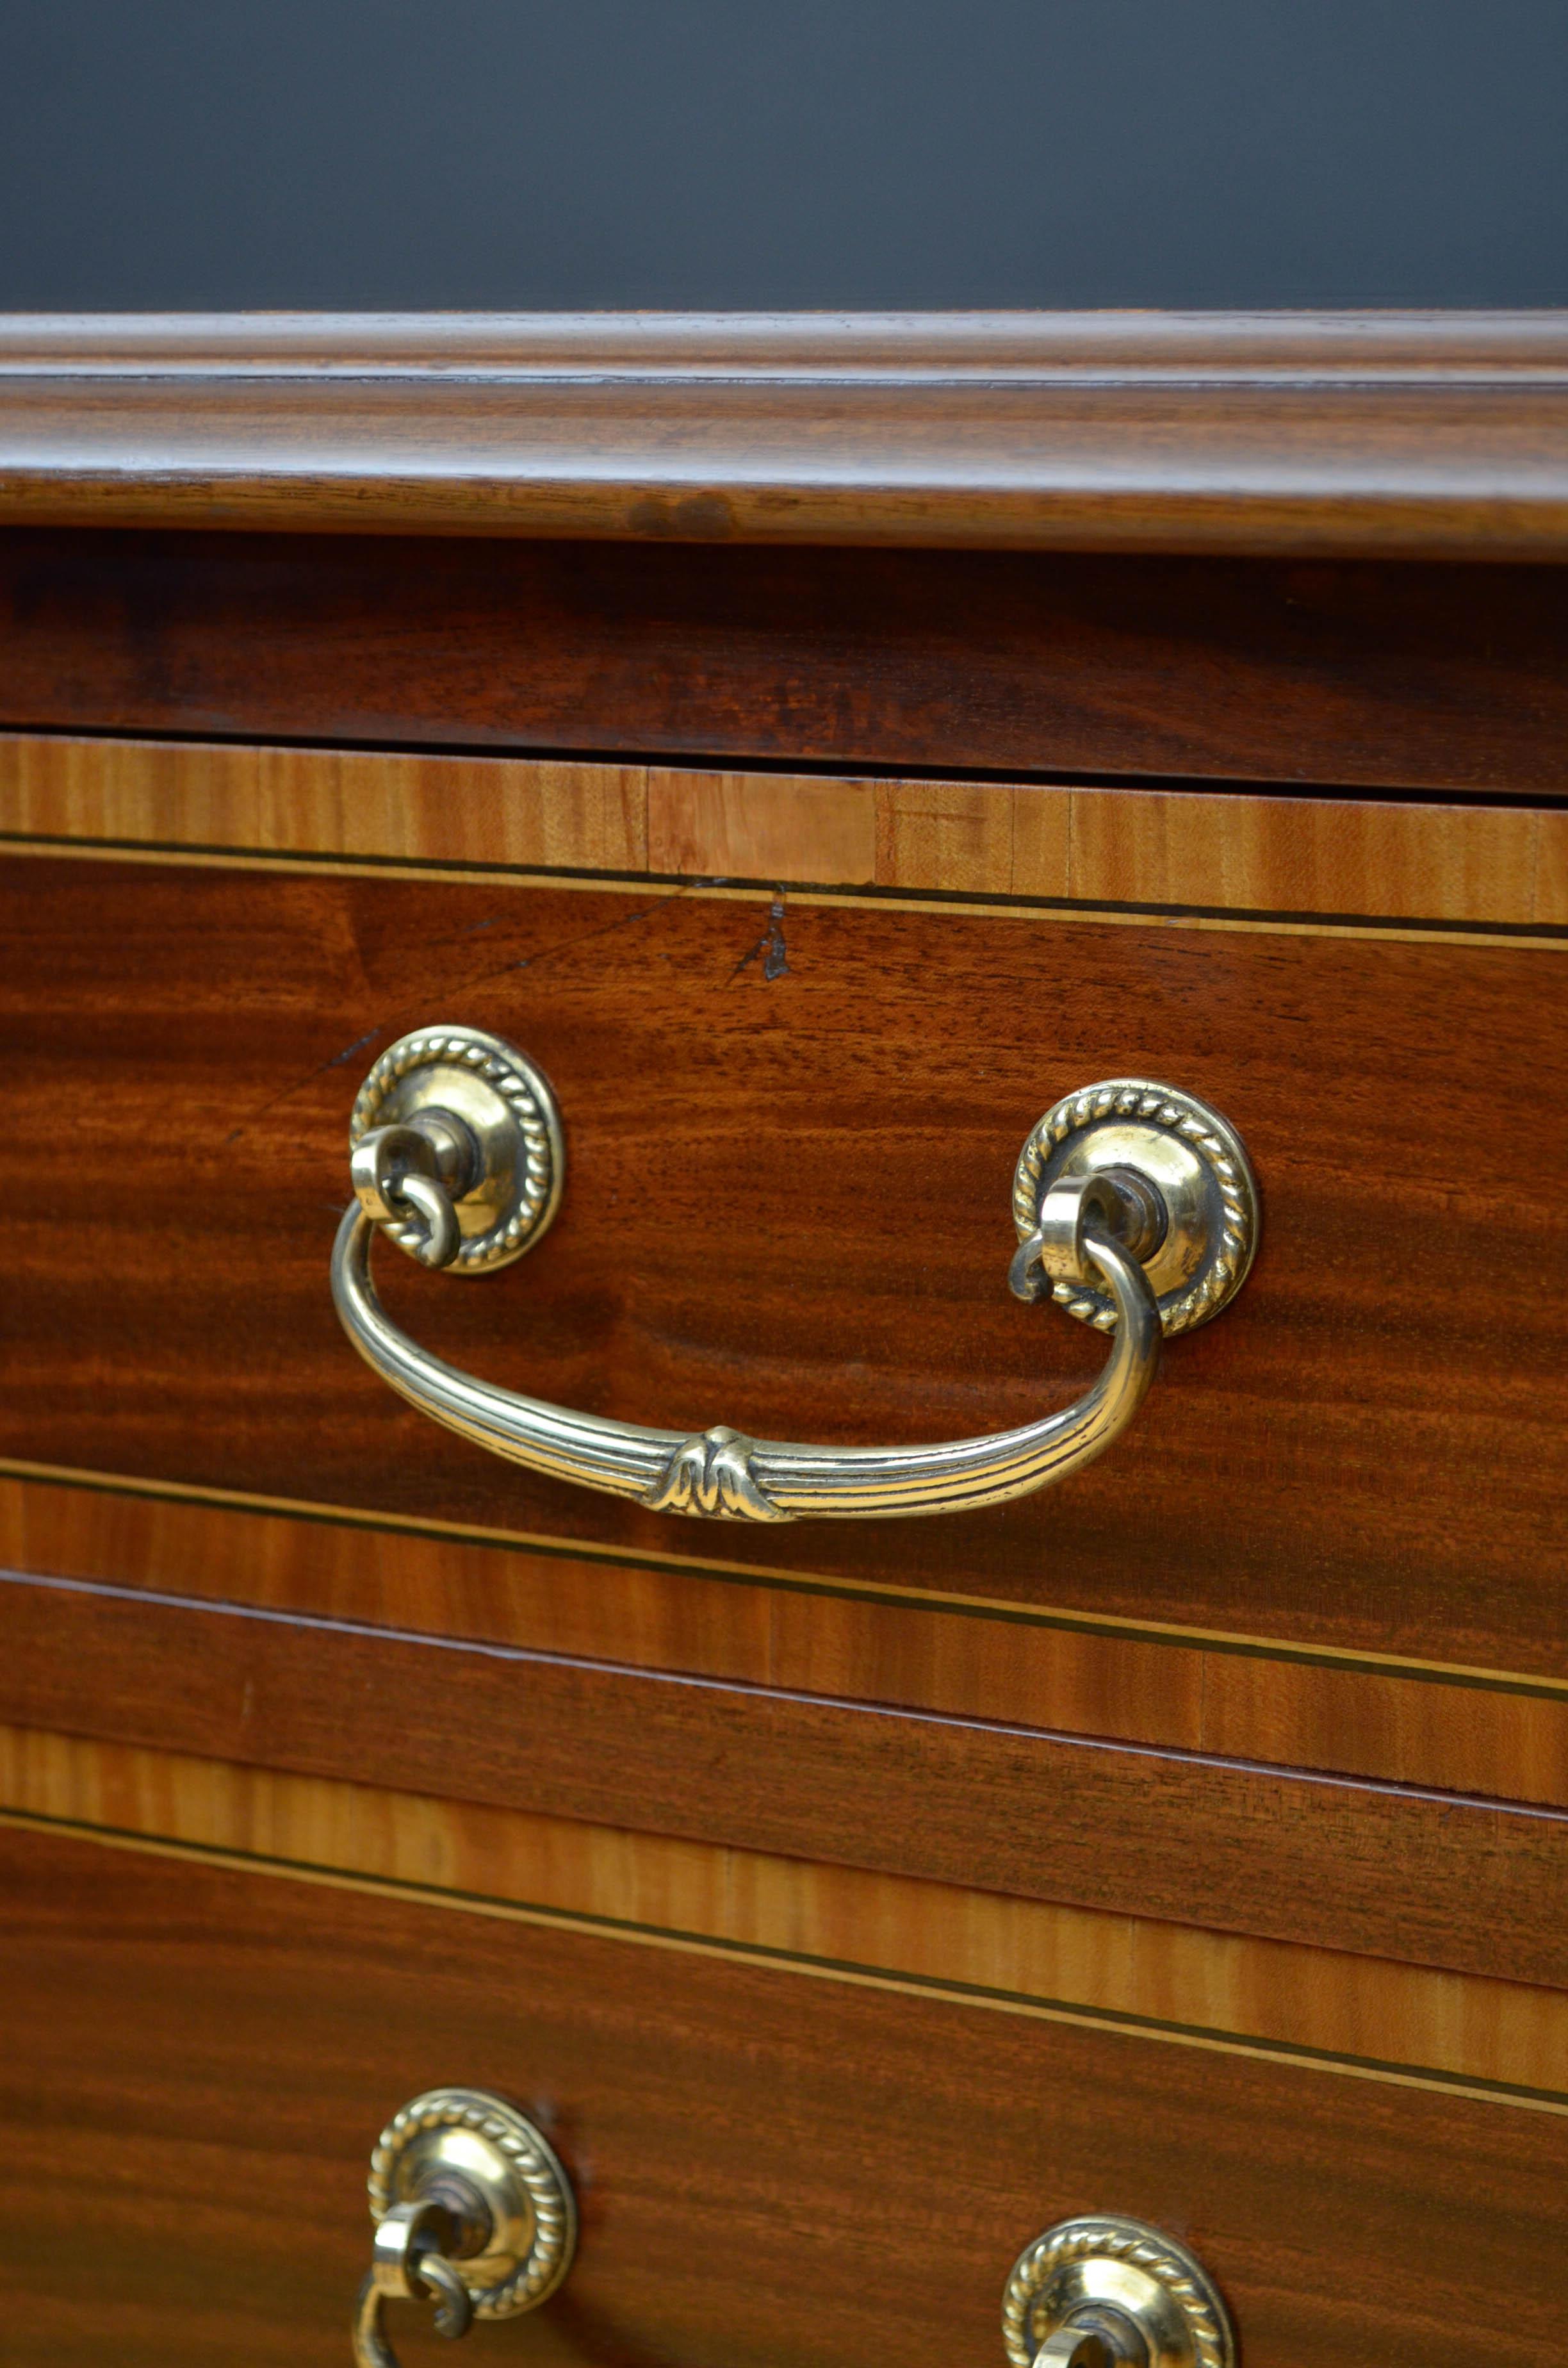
512 2168
1103 2270
1194 1159
509 1112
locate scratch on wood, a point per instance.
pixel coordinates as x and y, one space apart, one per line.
769 948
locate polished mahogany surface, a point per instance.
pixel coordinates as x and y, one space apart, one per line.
772 2167
788 1208
821 745
1328 434
1219 854
1392 1871
1490 2035
1373 673
956 1657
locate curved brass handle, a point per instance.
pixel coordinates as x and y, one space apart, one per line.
1104 2292
1134 1207
472 2210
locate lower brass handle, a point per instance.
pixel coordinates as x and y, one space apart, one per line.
472 2210
1103 2292
1133 1203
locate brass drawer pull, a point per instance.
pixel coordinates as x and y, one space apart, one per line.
1107 2292
1135 1210
472 2212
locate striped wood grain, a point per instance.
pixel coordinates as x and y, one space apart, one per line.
1311 1998
1215 851
962 1660
1453 1881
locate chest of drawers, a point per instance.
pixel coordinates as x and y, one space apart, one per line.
783 759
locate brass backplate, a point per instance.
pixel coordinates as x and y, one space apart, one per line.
1107 2269
1194 1160
512 1115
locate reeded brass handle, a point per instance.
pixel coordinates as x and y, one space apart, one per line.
1103 2292
1134 1207
472 2213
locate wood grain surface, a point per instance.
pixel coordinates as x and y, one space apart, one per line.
770 2168
1440 1878
788 1209
1169 849
1273 1992
965 1659
1327 434
1364 675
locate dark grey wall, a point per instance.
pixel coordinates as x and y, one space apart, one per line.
820 152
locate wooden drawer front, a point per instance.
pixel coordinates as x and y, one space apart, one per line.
771 2167
788 1209
1277 670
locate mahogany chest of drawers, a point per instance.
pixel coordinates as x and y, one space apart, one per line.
779 1795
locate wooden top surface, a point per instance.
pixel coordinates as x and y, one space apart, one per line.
1396 434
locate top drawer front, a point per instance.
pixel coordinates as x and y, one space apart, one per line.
792 1130
1269 670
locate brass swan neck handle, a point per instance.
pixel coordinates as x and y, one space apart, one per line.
1133 1205
472 2210
413 2258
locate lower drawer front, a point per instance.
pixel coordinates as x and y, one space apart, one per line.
773 2163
